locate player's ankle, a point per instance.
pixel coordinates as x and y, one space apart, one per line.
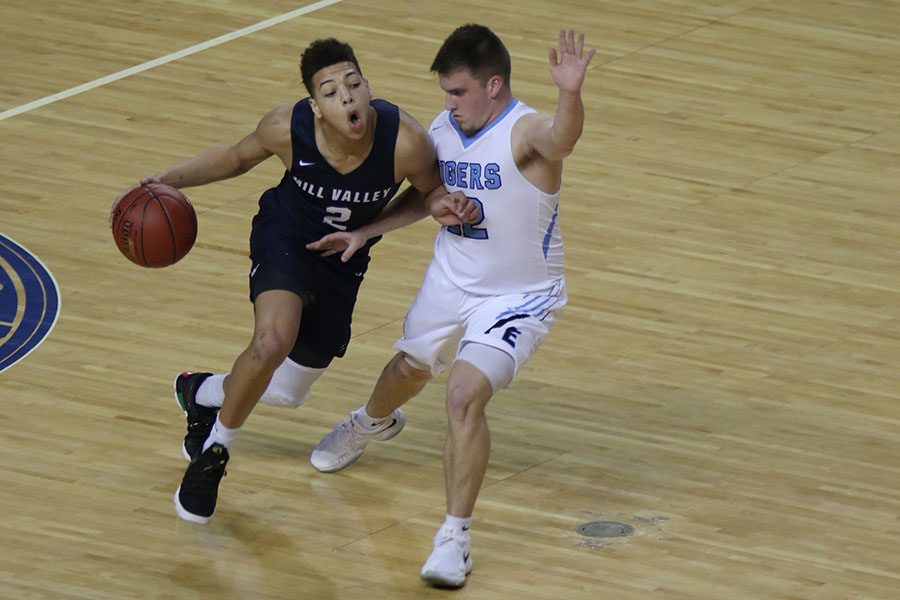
457 524
363 419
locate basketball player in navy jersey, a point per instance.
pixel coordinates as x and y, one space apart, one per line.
494 286
345 156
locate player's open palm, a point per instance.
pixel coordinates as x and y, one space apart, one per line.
569 64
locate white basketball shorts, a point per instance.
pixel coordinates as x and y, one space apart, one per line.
443 318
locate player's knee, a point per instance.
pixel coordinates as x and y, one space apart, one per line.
461 403
404 367
269 347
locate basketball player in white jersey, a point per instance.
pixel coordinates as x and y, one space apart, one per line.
494 287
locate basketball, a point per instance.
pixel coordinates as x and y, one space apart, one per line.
154 225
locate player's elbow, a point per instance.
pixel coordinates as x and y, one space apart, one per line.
565 150
558 152
238 165
564 144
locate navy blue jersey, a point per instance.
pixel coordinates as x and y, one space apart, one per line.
314 200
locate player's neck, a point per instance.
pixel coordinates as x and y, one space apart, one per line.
498 106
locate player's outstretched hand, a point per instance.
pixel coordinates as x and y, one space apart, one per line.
569 65
347 242
455 208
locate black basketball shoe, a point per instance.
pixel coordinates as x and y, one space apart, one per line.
195 498
200 419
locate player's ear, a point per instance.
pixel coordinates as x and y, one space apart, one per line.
315 108
495 84
369 87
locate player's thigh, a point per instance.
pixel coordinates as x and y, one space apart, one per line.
503 323
276 321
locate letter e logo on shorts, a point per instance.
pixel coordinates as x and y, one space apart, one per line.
510 335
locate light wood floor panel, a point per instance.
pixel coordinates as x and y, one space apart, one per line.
724 379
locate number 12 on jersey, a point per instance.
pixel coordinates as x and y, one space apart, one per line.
469 230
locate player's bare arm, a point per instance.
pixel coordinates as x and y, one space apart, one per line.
272 136
553 139
415 150
414 157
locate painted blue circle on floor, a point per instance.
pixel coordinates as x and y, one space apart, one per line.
29 302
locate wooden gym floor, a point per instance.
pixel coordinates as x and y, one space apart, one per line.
724 379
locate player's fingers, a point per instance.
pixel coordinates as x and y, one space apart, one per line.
579 46
562 41
571 41
349 252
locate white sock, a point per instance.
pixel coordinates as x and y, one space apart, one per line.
221 435
211 392
458 524
362 417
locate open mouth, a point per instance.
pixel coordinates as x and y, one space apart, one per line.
354 120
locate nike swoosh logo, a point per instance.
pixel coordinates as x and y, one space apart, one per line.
378 424
466 557
253 270
303 163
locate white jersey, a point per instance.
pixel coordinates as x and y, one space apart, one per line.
517 247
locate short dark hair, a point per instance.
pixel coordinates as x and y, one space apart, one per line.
324 53
476 48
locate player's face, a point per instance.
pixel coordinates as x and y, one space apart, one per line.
341 98
468 100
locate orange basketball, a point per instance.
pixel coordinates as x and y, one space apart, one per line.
154 225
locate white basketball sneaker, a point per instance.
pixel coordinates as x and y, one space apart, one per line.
346 442
449 562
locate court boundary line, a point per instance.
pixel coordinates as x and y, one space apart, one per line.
84 87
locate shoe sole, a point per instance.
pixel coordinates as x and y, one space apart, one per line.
178 401
436 580
186 514
337 467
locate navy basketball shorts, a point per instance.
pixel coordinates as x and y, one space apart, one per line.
327 288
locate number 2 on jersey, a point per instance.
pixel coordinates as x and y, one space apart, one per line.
469 230
336 216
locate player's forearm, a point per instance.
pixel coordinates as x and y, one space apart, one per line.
568 122
211 165
406 209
